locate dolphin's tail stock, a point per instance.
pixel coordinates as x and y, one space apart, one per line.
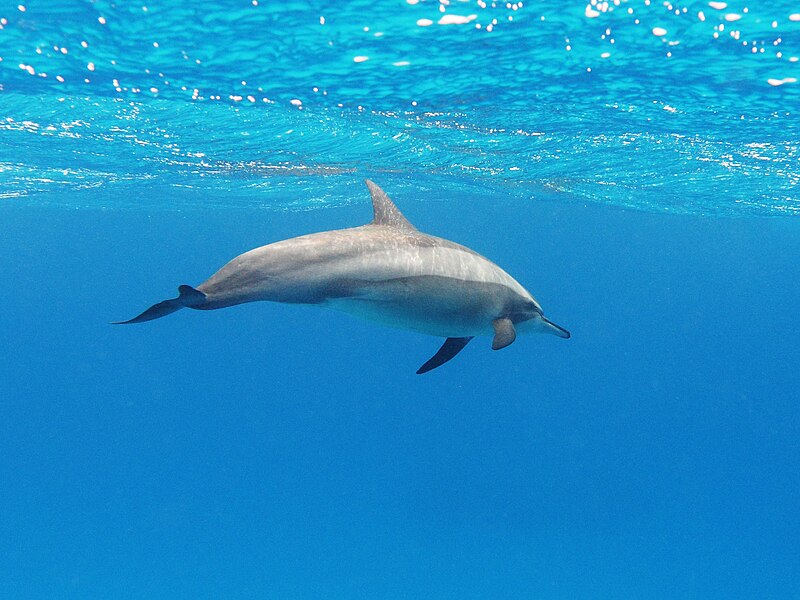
187 296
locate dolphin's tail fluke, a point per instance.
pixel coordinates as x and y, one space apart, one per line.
188 296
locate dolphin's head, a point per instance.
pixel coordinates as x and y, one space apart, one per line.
529 319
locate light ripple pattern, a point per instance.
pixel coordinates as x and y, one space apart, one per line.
644 105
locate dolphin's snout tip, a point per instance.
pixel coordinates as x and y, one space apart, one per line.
556 329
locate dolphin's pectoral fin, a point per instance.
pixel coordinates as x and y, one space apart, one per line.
188 296
504 333
449 349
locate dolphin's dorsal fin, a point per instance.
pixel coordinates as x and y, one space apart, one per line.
386 213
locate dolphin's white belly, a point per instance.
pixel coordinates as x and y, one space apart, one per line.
435 307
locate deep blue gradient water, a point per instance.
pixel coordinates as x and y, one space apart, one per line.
634 164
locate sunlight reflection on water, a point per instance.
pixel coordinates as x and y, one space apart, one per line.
638 103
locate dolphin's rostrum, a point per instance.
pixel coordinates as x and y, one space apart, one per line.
387 271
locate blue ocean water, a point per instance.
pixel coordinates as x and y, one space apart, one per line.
634 164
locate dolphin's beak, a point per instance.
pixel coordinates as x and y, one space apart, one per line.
550 327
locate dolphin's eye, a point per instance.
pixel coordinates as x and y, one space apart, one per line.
531 306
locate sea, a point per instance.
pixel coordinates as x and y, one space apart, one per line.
635 164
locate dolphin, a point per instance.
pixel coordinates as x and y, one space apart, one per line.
386 271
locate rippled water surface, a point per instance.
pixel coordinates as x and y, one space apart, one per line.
683 108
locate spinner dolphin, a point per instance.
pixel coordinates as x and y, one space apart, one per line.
386 271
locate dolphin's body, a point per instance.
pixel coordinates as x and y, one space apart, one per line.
386 271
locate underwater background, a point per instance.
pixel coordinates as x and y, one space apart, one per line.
634 164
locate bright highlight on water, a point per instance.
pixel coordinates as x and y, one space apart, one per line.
658 106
